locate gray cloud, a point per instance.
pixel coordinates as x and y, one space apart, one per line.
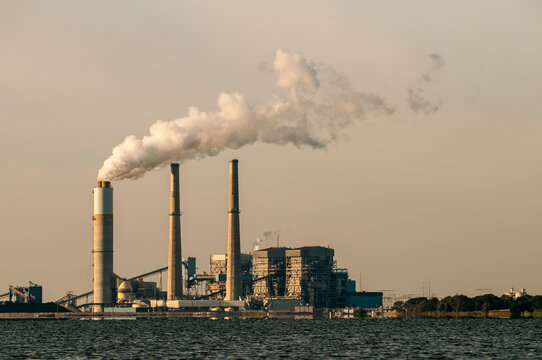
416 99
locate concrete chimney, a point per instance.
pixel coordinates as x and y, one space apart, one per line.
103 245
175 280
233 280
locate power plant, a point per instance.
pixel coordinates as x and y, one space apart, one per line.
271 279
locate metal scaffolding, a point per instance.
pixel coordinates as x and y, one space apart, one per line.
216 286
305 273
309 276
269 270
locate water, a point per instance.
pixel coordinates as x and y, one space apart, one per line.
299 339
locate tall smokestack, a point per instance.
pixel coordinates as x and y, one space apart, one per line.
233 280
175 280
103 245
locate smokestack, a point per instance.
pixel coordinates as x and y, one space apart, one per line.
103 245
233 280
175 280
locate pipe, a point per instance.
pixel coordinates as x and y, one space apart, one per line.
233 279
175 280
103 245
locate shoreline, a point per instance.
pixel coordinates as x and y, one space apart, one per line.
258 314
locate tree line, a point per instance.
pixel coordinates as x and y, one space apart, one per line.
462 303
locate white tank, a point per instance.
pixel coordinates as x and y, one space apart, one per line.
125 292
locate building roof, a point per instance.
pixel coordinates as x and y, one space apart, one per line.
305 251
311 251
270 252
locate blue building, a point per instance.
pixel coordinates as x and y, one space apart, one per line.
365 299
30 294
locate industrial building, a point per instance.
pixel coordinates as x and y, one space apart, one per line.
24 294
305 273
276 278
269 271
365 299
309 274
216 284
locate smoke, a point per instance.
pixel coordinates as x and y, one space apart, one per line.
418 102
311 106
416 99
257 244
436 63
268 237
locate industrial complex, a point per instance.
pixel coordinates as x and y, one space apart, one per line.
271 279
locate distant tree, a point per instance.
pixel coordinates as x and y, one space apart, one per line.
520 305
488 302
536 302
398 305
456 303
462 303
431 304
515 311
414 305
506 301
415 301
421 304
446 304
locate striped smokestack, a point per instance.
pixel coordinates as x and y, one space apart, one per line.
103 245
233 280
175 280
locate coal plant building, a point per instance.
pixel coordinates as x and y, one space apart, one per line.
269 272
305 273
275 278
308 274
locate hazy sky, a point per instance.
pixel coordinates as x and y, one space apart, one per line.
450 195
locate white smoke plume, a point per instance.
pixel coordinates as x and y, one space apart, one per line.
311 106
269 238
416 99
257 244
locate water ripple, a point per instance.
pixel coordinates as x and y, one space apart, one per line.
272 339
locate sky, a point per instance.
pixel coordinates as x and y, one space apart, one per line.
447 193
